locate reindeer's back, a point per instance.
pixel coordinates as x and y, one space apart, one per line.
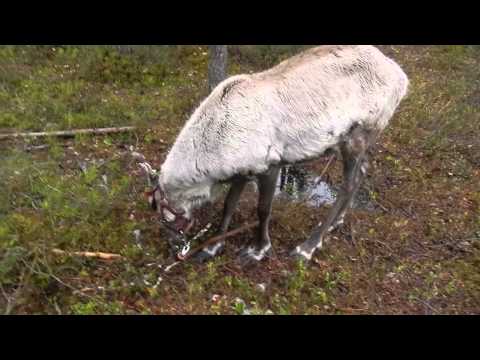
316 96
336 82
292 112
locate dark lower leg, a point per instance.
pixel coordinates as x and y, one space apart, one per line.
231 201
341 217
342 204
353 153
266 184
262 244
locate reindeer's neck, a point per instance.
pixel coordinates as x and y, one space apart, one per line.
192 168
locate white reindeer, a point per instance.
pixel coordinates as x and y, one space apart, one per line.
329 98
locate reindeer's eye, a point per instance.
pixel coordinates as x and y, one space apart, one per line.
168 216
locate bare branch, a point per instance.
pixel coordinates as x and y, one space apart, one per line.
217 239
68 133
87 254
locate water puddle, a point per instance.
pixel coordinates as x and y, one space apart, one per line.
296 184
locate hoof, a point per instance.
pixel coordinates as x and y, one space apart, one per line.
250 256
202 257
300 254
209 253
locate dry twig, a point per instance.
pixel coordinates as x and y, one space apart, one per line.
68 133
87 254
217 239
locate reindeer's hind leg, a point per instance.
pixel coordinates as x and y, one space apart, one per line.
231 201
262 245
353 148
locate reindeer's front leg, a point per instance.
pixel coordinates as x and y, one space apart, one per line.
231 201
262 245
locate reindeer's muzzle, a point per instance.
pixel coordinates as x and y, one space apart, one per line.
178 224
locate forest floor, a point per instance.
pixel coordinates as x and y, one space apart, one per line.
416 250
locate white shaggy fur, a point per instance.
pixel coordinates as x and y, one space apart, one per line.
290 113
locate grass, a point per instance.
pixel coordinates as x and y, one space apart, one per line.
417 252
82 87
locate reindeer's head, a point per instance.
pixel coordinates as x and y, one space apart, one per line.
176 221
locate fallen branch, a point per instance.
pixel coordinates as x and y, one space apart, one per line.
217 239
68 133
36 148
211 241
351 310
326 167
426 304
87 254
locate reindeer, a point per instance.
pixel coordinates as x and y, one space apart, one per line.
326 99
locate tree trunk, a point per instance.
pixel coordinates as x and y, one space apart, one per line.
124 49
217 67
